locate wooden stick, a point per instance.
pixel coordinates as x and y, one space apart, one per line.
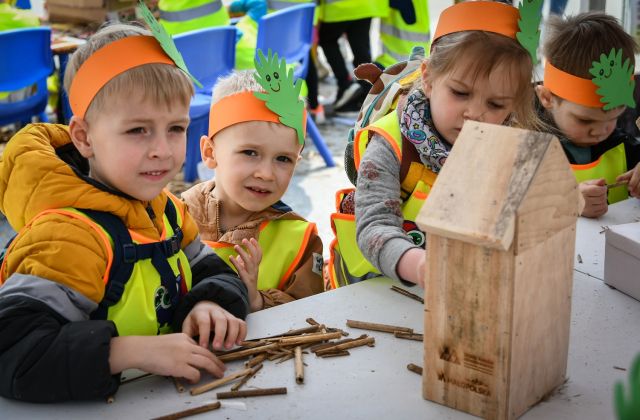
111 399
255 360
129 380
190 411
322 346
299 366
309 338
617 184
285 358
414 368
312 321
251 393
414 336
248 352
335 354
407 293
178 384
246 377
377 327
368 341
211 385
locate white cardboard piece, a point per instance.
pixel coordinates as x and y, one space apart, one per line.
622 258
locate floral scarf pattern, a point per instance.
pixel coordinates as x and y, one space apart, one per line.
417 126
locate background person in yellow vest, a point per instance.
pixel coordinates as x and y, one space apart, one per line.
254 157
248 26
352 18
125 142
179 16
583 120
406 26
481 75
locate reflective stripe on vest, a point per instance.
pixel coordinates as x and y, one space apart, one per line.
192 13
283 243
283 4
398 38
412 37
609 166
345 10
347 264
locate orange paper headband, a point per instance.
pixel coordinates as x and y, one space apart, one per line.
570 87
242 107
487 16
108 62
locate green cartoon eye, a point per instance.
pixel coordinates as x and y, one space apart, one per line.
276 75
268 78
611 63
601 72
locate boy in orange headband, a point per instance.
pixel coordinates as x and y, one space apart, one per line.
583 111
254 146
108 272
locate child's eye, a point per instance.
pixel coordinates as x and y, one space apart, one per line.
459 93
249 152
137 130
284 159
583 121
496 105
178 129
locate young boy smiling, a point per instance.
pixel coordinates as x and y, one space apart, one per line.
254 151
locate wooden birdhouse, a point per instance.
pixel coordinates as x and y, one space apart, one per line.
501 227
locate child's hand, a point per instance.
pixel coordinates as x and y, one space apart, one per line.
594 192
176 355
247 263
207 316
633 179
411 266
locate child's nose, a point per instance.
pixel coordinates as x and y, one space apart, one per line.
264 170
160 147
474 111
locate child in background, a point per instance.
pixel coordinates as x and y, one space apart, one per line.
476 71
254 151
88 201
583 114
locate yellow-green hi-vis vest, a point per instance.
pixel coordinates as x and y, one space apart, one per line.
347 265
398 38
144 296
178 16
345 10
246 45
283 243
609 166
277 5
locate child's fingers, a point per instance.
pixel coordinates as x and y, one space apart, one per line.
204 329
242 333
257 251
233 328
625 176
219 333
238 263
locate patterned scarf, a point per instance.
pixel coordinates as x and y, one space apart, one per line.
417 126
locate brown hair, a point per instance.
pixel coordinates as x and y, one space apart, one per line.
486 51
160 83
572 44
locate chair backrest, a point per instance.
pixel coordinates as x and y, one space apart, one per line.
25 57
209 53
288 32
23 4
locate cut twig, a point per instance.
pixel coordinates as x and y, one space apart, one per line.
377 327
312 321
407 293
414 368
255 360
137 378
190 411
335 354
299 366
333 343
248 352
251 393
309 338
246 377
406 336
178 385
211 385
365 341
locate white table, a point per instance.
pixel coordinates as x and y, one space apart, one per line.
590 236
374 383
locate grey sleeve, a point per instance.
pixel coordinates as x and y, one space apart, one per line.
378 208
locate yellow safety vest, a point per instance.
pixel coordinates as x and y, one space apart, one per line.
246 46
283 243
346 263
344 10
609 165
398 38
178 16
276 5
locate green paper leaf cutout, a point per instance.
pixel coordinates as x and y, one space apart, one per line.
165 40
614 80
627 404
282 91
529 24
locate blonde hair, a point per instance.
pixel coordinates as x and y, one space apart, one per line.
160 83
486 51
236 82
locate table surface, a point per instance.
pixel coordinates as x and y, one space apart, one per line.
590 236
374 382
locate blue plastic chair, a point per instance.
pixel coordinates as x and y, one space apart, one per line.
209 53
289 32
26 60
23 4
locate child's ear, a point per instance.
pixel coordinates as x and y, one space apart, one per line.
79 132
544 96
208 152
426 82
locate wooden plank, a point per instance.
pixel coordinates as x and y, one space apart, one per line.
541 319
493 187
552 202
467 326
